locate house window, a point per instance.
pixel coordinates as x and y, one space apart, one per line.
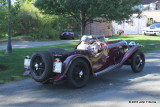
150 21
129 22
120 22
158 6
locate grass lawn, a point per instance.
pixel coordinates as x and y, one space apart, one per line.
24 37
14 62
150 42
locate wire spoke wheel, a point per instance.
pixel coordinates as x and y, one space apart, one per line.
138 61
78 73
38 65
41 66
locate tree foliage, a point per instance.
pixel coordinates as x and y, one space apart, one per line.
3 17
84 11
28 20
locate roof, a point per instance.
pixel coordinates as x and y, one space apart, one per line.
149 1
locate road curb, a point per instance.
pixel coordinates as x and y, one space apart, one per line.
13 40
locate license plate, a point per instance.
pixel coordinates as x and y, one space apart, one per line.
27 63
57 67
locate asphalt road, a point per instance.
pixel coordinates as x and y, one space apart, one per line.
120 88
24 44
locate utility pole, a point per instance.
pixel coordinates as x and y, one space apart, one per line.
9 45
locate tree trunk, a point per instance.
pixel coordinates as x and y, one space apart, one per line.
9 44
83 22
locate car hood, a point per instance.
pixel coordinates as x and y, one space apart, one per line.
147 28
155 29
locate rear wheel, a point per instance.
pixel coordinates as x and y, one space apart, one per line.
137 61
78 73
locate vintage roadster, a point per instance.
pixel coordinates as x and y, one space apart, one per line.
76 66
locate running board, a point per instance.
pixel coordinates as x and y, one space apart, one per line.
110 68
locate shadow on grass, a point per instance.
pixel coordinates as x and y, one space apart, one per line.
2 68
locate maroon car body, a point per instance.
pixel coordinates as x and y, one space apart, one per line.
112 55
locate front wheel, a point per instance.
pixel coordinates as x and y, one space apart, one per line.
138 61
78 73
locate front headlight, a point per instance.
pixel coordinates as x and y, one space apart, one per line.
132 43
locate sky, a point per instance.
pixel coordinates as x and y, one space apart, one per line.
13 1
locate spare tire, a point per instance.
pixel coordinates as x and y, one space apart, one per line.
41 66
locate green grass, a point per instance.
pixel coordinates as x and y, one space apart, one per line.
150 42
14 62
23 37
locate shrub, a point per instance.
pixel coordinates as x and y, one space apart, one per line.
47 34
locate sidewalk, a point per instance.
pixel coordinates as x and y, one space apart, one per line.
25 44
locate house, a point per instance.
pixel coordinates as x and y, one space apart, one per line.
149 1
99 27
135 25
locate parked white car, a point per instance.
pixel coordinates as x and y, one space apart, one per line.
153 29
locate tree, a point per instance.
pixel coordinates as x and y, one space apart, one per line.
9 45
3 17
85 11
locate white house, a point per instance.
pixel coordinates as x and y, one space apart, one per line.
135 25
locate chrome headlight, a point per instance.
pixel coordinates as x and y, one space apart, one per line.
132 43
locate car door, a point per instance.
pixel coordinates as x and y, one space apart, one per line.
99 60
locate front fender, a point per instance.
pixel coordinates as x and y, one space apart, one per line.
126 56
130 52
67 63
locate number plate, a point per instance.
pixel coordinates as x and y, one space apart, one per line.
57 67
27 63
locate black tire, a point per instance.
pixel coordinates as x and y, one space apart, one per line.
78 74
41 66
137 61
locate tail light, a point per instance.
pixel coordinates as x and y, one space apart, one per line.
57 60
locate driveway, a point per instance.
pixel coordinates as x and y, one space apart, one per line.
25 44
120 88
